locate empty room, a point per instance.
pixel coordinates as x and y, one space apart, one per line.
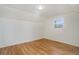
39 29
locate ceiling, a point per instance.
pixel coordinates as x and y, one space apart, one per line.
49 10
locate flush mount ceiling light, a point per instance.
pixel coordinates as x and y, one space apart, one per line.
40 7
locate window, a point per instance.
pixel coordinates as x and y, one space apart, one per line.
59 23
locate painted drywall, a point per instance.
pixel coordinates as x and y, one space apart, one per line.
17 26
14 13
70 33
18 31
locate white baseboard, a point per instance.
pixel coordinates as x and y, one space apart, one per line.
15 43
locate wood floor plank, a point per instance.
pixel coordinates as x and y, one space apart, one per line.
40 47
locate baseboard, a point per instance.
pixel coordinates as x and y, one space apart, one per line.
21 42
16 43
62 42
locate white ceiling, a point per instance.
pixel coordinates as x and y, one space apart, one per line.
49 10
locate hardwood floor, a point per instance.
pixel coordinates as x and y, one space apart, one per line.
40 47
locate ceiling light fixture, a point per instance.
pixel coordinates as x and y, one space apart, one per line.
40 7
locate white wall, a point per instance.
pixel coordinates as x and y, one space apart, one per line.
17 26
69 35
17 31
14 13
